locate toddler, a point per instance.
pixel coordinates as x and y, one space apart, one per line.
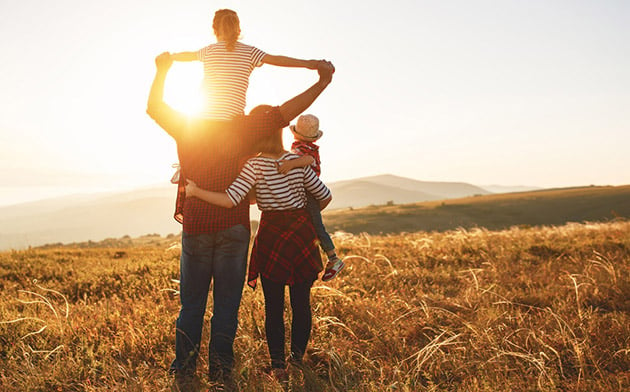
306 132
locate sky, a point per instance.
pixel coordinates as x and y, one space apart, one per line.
504 92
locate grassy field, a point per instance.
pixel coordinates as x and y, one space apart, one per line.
495 212
523 309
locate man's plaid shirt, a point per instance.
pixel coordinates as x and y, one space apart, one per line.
211 154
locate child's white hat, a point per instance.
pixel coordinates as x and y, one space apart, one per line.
307 128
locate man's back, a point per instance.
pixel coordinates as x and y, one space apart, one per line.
211 154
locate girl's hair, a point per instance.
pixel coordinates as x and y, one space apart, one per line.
227 27
271 144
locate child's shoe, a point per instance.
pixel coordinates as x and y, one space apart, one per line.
332 269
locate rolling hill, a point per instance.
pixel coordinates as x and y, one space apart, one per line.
509 189
495 212
147 211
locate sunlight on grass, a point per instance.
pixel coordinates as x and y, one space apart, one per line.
520 309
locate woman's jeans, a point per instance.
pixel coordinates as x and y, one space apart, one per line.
220 258
300 294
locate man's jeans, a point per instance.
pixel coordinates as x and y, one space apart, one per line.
220 257
312 206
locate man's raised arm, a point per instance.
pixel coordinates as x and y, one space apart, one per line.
293 107
169 119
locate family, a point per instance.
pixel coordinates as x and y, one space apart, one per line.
228 159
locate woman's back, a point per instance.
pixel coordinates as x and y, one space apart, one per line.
276 191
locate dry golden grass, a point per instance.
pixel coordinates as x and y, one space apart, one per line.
523 309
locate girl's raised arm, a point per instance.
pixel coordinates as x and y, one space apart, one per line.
284 61
184 56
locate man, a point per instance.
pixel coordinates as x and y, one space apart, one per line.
215 240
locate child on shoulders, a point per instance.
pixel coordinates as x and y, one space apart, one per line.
227 66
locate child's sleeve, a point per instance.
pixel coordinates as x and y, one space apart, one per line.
300 150
257 56
245 181
295 148
201 53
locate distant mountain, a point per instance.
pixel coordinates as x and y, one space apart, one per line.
149 210
364 193
384 188
88 217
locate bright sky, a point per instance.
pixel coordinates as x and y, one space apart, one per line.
503 92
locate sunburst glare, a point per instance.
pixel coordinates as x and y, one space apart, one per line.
183 87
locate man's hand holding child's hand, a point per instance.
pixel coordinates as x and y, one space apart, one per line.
164 60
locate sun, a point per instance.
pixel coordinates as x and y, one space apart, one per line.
183 87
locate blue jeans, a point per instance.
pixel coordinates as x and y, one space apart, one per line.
222 258
312 206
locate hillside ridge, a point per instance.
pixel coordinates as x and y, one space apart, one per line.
377 207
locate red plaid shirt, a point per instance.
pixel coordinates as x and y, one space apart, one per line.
211 154
300 147
285 249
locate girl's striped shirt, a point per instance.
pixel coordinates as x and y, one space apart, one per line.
226 78
276 191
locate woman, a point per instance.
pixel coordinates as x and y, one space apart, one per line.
285 250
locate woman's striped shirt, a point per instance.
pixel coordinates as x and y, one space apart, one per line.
276 191
226 77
